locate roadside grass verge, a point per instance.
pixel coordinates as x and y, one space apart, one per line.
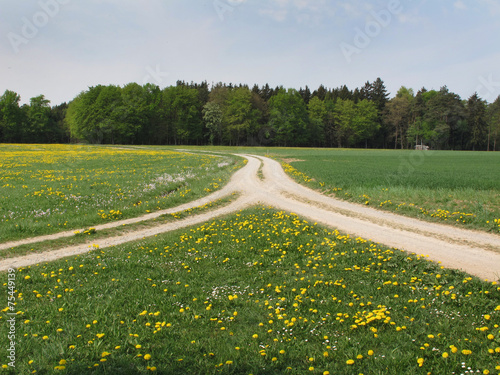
258 292
46 189
90 235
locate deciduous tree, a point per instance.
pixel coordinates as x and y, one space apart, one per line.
288 116
212 116
11 117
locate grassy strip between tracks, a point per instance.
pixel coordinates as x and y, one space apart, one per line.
90 235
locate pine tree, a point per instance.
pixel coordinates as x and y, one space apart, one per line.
476 117
320 93
306 94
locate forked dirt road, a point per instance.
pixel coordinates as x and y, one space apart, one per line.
476 253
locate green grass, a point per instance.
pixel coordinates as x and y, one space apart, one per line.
50 188
460 188
260 292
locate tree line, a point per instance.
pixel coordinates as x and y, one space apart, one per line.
227 114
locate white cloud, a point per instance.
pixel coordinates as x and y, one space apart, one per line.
460 5
355 9
282 3
303 12
411 19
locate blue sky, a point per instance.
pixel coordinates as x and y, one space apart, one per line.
60 47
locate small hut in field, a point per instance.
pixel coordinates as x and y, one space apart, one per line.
421 147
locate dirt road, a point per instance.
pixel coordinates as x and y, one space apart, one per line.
477 253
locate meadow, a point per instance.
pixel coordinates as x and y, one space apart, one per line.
454 187
50 188
259 292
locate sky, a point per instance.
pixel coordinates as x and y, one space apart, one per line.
59 48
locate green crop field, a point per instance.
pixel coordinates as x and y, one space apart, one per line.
260 292
49 188
454 187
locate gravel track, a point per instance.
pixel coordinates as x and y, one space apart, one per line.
477 253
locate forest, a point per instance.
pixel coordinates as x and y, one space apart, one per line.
237 115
